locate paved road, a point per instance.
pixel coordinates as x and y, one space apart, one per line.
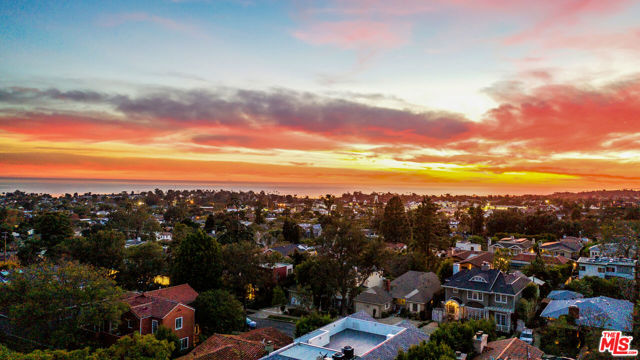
285 327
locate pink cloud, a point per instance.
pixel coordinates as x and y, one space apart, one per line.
355 34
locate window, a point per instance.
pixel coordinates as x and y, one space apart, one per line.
178 323
154 326
583 268
184 343
501 319
478 279
502 298
600 269
455 291
415 307
476 314
611 269
473 295
129 325
625 270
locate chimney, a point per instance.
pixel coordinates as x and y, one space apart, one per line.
268 347
480 342
485 266
574 311
456 268
387 285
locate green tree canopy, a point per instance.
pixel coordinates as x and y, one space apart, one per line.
198 262
104 248
427 351
395 225
141 265
307 324
52 304
428 230
218 311
291 231
133 347
459 335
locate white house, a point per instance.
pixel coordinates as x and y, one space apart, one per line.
605 267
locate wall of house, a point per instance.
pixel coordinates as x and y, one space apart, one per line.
368 308
188 322
487 299
146 326
134 321
592 270
419 307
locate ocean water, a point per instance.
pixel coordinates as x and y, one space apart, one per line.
57 187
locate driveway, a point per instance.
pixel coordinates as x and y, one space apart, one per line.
286 327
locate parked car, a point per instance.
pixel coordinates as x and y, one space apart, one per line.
527 336
251 324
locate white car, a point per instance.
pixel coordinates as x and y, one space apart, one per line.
527 336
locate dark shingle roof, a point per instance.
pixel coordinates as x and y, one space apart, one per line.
374 295
495 281
389 349
426 283
478 259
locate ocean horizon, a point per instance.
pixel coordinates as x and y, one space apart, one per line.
62 186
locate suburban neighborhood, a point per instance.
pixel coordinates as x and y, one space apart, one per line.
221 275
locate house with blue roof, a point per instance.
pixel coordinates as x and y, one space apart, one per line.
564 295
598 312
358 335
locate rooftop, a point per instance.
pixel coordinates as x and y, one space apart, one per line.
367 337
607 261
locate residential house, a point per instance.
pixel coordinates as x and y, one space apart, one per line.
609 250
483 292
397 247
605 267
521 260
375 301
250 345
168 307
288 249
474 261
280 271
567 247
512 245
599 312
412 290
564 295
468 245
511 349
357 335
164 236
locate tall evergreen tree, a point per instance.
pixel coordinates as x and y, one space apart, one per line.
395 225
426 232
198 262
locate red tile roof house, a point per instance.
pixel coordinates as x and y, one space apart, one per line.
169 307
511 349
247 346
522 260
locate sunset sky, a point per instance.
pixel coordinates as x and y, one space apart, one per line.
484 96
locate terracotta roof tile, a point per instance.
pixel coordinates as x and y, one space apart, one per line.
181 293
511 349
246 346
